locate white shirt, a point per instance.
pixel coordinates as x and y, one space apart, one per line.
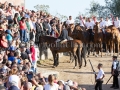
102 24
49 87
89 25
31 25
82 22
114 64
70 21
108 23
100 74
117 23
15 79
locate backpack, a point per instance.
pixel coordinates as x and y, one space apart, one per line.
118 66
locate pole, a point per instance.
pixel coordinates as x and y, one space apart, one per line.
108 79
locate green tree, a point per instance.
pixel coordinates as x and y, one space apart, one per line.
61 17
44 8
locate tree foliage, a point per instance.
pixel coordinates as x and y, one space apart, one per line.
110 7
44 8
61 17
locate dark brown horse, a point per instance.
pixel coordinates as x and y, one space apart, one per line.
73 46
76 32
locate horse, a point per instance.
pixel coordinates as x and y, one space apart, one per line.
115 39
98 39
76 32
73 46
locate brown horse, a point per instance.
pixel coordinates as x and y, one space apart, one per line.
108 39
115 39
73 46
98 38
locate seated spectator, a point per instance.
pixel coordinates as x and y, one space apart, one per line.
13 78
12 57
28 86
51 85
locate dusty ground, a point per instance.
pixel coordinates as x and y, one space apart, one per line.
83 76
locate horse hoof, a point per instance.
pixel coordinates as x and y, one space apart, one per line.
53 67
88 56
93 54
74 67
79 67
85 66
96 55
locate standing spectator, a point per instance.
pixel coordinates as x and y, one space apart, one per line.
15 19
23 30
32 50
9 35
28 28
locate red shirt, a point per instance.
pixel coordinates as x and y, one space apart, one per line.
22 25
32 50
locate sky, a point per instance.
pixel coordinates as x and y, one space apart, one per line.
64 7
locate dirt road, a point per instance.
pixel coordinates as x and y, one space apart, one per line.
83 76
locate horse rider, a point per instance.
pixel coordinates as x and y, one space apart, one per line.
89 26
63 36
117 23
102 25
107 22
70 21
82 23
115 73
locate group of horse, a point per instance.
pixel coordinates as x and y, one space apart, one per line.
81 43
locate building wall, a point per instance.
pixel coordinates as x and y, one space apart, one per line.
15 2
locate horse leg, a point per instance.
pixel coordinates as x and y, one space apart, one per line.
71 59
57 59
112 49
101 48
54 57
78 53
75 60
96 50
118 49
83 55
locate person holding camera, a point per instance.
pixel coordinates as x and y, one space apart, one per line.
99 78
115 73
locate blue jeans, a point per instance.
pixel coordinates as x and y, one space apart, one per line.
23 36
34 66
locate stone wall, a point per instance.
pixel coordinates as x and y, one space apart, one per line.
15 2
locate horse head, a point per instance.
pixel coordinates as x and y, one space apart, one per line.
77 33
96 28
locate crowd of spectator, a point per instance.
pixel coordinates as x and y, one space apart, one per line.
20 30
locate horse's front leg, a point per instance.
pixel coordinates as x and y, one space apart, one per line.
112 44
